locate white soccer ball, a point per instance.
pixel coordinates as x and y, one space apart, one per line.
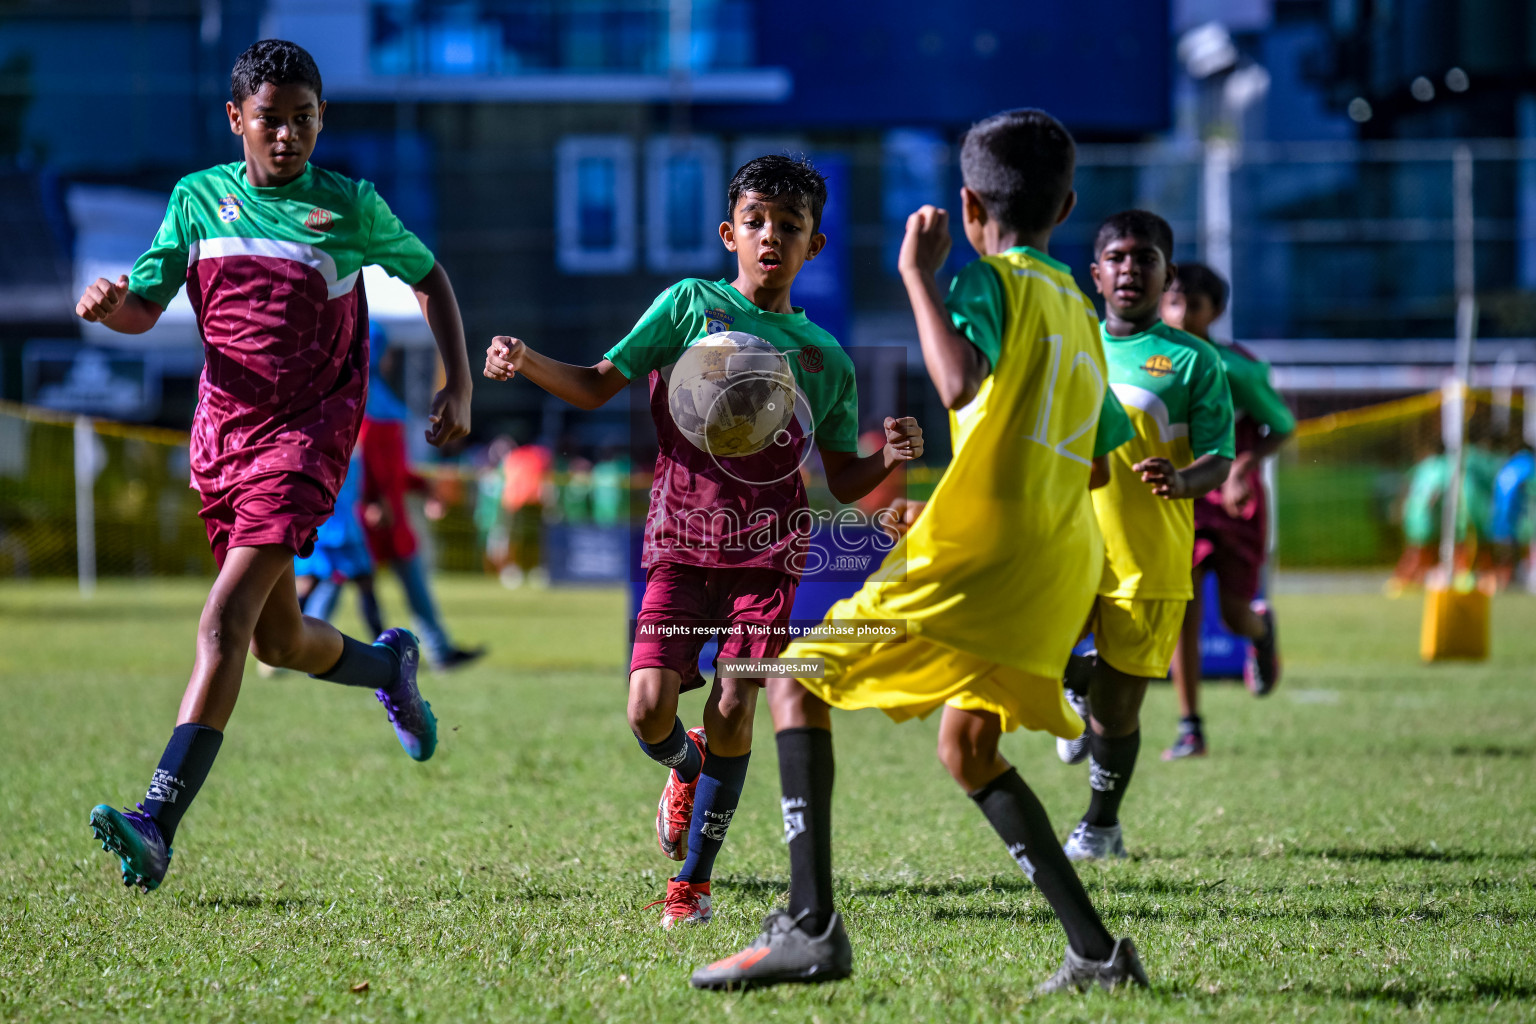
732 394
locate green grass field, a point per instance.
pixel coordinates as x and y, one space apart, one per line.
1357 847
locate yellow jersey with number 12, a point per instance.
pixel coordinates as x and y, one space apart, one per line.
1003 562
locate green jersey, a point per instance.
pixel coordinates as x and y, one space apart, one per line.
272 274
746 511
1174 389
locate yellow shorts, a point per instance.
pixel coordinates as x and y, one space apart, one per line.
1138 637
913 678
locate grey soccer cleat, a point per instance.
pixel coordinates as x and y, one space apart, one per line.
1080 974
1094 842
783 953
1075 751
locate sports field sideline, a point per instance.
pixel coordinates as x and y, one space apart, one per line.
1357 847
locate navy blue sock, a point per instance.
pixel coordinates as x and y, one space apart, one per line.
714 802
677 752
362 664
183 767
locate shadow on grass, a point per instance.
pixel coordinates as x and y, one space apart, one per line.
257 902
1473 989
1477 988
1492 751
1407 853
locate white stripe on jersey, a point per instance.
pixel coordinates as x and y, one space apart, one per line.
1155 408
299 252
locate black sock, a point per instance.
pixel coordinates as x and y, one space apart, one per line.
677 752
362 664
368 604
1016 815
1110 764
183 767
1190 724
1078 674
714 804
805 777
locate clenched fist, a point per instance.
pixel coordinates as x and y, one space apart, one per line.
504 358
903 438
101 299
925 246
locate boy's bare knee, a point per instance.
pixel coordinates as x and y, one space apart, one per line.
648 722
652 710
952 755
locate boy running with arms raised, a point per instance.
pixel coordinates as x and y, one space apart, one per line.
1173 387
995 575
721 542
271 249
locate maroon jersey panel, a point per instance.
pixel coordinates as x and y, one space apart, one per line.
286 376
709 511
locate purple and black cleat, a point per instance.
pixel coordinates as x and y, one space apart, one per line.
136 839
415 725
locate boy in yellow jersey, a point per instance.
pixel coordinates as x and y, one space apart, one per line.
1174 388
993 578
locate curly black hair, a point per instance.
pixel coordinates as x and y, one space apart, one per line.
1020 163
272 60
776 176
1142 224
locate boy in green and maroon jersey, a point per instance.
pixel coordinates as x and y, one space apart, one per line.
1231 522
271 250
726 537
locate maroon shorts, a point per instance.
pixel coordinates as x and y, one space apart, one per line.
694 594
1231 547
279 508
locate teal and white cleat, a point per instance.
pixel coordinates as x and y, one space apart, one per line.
415 725
136 839
1091 842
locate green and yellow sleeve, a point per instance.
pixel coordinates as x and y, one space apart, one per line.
1115 427
975 305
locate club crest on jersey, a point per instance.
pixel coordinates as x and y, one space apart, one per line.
318 220
229 209
810 359
717 320
1158 366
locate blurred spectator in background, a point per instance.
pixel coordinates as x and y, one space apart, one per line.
341 557
527 485
1428 482
490 525
387 478
1512 527
574 487
610 488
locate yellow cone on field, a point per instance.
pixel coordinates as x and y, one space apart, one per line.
1456 623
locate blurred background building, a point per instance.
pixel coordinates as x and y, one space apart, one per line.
567 160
